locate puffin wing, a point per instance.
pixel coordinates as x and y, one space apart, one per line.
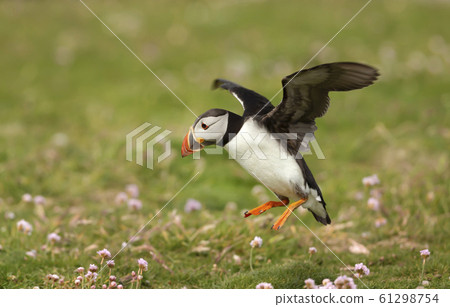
252 102
305 96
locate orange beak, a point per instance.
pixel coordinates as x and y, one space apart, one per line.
191 144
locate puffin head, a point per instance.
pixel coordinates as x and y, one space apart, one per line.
210 128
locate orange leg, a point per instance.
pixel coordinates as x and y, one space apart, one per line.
264 207
282 219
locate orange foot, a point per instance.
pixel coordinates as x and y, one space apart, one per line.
264 207
282 219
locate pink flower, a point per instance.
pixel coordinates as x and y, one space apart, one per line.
132 190
27 198
264 285
25 227
310 284
104 253
381 221
9 215
373 204
121 198
112 278
425 253
32 253
192 205
119 287
361 269
110 264
113 284
39 200
80 270
77 282
256 242
329 285
91 276
143 265
104 286
371 180
93 268
53 237
134 204
312 250
344 282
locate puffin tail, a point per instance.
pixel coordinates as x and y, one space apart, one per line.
324 220
319 210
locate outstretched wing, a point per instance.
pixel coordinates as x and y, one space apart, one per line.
252 102
305 96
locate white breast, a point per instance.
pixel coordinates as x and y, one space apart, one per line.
264 158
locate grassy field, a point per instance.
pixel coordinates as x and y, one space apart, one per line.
70 92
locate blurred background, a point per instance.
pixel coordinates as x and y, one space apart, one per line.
70 92
65 76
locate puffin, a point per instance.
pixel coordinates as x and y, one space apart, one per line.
267 141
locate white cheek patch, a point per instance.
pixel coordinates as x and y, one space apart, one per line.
216 130
209 135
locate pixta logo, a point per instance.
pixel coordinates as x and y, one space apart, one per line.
142 141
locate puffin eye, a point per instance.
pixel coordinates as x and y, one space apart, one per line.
205 126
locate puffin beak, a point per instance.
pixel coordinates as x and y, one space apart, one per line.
191 144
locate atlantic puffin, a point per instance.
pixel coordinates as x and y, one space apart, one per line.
267 140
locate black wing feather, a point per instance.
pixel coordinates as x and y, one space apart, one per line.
252 102
305 96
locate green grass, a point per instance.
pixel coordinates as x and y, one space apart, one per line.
62 71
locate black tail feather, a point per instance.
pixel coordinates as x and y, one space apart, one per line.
324 220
